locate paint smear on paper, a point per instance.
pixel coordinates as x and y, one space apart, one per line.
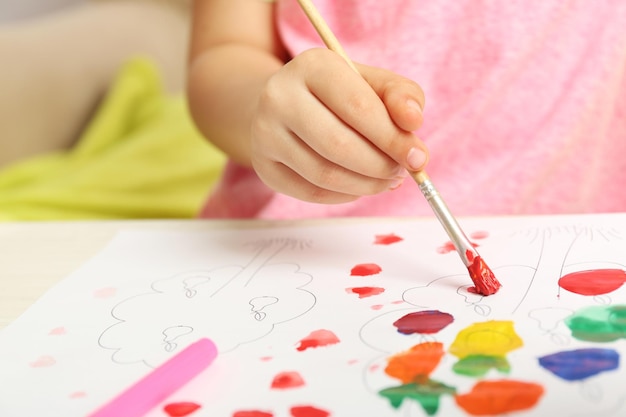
387 239
318 338
427 394
308 411
449 247
181 409
500 397
364 292
424 322
78 395
104 293
57 331
415 364
43 362
287 380
598 323
363 270
594 282
252 413
479 234
579 364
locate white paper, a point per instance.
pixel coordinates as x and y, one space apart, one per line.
257 292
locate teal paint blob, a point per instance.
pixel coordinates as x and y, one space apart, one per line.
600 324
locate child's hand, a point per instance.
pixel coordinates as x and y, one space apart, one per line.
325 134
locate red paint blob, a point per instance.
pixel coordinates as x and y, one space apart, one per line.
318 338
287 380
425 322
252 413
364 292
489 398
308 411
363 270
594 282
387 239
485 282
180 409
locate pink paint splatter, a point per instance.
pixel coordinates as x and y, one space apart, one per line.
377 306
449 247
479 234
57 331
387 239
318 338
78 395
398 302
287 380
308 411
181 409
43 362
364 292
103 293
363 270
252 413
266 358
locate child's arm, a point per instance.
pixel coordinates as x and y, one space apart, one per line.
311 128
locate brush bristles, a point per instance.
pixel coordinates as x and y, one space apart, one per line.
485 282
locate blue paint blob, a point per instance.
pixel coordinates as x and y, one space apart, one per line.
575 365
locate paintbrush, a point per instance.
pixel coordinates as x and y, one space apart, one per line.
485 282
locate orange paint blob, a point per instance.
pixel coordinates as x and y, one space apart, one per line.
500 397
415 364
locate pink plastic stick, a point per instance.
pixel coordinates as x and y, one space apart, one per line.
163 381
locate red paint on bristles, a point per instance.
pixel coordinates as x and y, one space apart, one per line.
485 282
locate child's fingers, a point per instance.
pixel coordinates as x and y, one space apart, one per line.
320 183
358 105
403 98
294 108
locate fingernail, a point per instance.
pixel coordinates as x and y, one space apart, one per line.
416 159
414 105
397 182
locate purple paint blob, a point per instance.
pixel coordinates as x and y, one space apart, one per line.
425 322
575 365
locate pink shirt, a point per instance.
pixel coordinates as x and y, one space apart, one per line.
520 94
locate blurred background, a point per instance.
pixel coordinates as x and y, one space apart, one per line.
11 10
93 119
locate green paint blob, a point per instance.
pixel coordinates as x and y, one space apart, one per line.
427 394
479 365
598 323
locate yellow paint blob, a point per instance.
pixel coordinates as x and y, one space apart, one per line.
489 338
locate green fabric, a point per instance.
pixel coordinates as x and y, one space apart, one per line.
140 157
